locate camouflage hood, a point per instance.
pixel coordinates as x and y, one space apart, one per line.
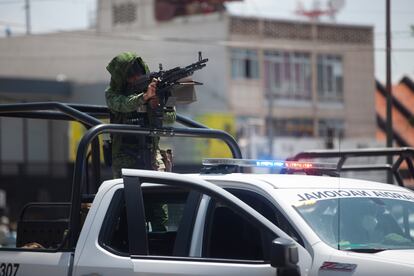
118 68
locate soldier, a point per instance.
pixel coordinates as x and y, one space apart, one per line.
131 107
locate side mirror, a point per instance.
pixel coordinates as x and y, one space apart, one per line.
284 256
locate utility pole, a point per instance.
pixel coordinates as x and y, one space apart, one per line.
270 122
389 87
27 8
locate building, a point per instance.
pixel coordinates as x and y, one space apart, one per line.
307 78
402 112
297 79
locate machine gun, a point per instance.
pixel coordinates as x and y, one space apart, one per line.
166 82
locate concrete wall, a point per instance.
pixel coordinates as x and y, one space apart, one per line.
247 97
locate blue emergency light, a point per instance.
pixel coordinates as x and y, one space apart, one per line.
282 164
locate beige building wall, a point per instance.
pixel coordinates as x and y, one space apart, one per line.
352 43
360 101
82 56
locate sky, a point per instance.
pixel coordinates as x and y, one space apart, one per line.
47 15
63 15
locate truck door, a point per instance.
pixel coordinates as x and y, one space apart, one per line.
146 226
164 229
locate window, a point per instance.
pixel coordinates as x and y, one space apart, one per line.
363 224
124 13
288 75
164 209
170 216
42 225
230 236
330 78
296 127
114 232
333 127
244 64
268 210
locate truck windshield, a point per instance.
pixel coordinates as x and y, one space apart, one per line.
362 224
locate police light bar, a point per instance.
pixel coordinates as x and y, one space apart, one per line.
282 164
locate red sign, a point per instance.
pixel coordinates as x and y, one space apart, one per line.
168 9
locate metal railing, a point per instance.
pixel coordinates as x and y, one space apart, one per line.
402 154
88 115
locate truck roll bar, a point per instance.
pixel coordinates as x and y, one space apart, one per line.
89 116
79 175
403 154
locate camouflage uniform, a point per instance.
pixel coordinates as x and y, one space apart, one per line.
124 105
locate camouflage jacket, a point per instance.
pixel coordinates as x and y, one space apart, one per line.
121 102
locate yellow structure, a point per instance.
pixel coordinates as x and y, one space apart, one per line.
76 132
213 147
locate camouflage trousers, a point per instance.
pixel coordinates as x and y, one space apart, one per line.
161 161
129 161
156 213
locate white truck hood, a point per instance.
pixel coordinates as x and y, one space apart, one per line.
394 256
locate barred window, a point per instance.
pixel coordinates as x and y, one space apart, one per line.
288 75
124 13
334 127
292 127
330 78
244 64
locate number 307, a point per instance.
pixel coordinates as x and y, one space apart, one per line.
8 269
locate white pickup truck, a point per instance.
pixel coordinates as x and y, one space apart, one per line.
215 223
154 223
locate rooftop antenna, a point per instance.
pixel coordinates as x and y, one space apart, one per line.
332 7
